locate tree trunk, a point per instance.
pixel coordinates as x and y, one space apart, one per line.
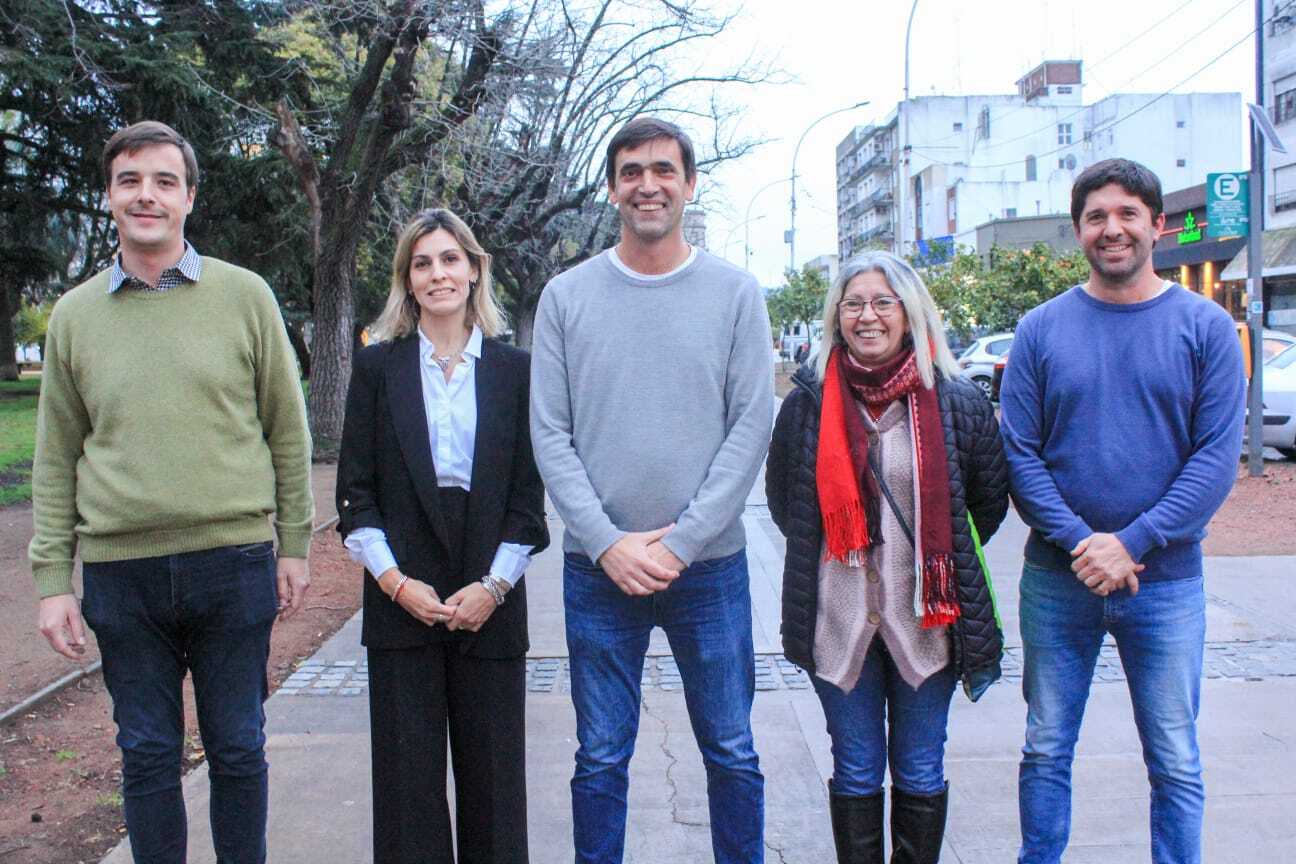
331 346
524 328
8 309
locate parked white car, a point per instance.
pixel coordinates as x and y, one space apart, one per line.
1280 402
978 360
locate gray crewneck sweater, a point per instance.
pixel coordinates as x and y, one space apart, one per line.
652 403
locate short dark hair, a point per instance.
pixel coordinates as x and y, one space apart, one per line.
1138 180
146 134
641 130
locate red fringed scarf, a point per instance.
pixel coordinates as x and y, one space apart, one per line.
848 497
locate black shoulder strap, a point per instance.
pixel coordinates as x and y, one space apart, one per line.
886 493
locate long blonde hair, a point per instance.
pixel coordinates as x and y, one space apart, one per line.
400 315
931 350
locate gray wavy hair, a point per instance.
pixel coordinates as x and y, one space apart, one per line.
931 350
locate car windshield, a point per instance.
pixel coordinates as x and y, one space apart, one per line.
1282 360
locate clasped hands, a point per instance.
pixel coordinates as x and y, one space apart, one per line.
1103 564
639 564
466 609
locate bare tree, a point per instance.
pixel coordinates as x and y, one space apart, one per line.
532 178
362 142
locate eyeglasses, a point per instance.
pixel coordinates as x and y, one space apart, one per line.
883 306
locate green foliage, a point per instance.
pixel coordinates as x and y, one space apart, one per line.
974 296
30 324
799 300
17 438
65 755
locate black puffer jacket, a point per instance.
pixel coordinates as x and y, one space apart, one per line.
978 478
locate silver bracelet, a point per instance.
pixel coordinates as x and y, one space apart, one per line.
494 590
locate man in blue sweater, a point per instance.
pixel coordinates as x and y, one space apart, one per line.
1122 421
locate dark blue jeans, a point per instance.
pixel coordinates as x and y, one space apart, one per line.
884 720
706 614
208 613
1159 633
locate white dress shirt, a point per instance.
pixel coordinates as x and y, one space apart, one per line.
451 408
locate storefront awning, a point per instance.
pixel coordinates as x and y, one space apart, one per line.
1279 247
1196 253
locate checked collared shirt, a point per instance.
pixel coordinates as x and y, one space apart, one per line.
187 269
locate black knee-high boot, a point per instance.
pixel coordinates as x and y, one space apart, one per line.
917 826
857 827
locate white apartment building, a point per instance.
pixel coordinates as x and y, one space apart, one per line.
1280 100
973 159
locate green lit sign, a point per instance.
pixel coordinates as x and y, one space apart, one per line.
1191 232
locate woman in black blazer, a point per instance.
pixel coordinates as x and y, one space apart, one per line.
439 497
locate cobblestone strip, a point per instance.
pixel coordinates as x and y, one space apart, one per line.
1250 661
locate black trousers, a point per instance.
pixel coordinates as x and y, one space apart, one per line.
416 697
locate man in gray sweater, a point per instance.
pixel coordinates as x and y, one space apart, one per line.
651 407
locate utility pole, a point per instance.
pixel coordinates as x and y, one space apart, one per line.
902 148
1255 268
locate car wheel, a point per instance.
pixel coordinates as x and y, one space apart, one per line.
1289 452
984 383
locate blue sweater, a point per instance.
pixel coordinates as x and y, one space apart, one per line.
1124 419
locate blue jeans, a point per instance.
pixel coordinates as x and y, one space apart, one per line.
1160 634
862 743
706 614
208 613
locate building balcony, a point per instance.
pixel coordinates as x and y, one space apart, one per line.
876 162
878 200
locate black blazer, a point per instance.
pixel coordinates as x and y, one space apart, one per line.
386 480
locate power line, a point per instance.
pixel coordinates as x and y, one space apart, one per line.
1082 109
1091 66
1122 119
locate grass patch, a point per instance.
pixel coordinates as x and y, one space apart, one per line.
17 438
65 755
109 799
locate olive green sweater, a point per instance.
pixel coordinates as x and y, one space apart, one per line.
168 422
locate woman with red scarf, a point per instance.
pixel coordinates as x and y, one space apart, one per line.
884 470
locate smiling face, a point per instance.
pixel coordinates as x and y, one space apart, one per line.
440 276
870 338
650 190
149 199
1117 233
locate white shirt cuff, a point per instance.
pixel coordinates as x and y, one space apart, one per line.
368 546
511 560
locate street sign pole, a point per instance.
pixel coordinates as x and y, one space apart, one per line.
1255 265
1255 308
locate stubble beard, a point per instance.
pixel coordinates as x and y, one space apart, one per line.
1123 275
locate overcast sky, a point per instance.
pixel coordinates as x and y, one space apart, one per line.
844 52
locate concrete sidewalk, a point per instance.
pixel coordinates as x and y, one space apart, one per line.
319 743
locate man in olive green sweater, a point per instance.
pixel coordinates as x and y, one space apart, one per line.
171 426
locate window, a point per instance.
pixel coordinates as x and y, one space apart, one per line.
1064 90
1284 187
1179 124
1181 163
1030 168
958 127
999 347
1284 17
983 122
1010 213
1284 108
1066 163
1064 133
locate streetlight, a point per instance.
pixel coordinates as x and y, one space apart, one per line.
904 147
792 231
729 235
749 220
